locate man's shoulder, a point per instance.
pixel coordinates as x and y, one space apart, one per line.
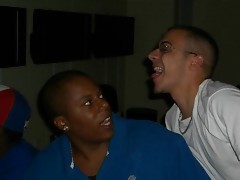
211 87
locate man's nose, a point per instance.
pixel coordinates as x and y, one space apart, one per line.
154 55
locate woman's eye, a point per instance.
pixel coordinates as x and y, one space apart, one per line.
87 103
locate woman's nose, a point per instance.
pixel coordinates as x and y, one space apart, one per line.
104 104
154 55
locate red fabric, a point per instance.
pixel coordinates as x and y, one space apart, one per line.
6 104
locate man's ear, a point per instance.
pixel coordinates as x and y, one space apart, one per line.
197 60
60 122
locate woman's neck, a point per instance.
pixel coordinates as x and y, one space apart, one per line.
89 158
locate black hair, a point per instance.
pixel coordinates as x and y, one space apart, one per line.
48 95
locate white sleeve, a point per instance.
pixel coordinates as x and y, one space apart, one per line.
224 106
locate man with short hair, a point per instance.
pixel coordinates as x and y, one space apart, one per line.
206 112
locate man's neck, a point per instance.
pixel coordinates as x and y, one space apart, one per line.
185 98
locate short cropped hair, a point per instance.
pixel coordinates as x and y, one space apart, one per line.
200 34
49 94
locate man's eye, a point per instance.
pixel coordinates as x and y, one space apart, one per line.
101 96
164 48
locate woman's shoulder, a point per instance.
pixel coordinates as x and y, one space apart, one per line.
145 129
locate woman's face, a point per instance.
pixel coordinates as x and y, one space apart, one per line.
87 113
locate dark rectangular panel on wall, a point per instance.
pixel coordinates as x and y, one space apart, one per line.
12 36
113 35
60 36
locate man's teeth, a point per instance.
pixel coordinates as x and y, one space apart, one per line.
106 122
158 69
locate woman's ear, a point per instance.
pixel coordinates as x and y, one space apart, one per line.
60 123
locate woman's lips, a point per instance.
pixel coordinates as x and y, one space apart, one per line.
106 122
